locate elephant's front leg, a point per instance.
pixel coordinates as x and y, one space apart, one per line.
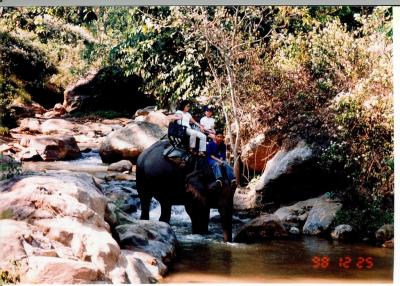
165 211
145 201
199 215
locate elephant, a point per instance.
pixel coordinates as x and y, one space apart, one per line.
193 186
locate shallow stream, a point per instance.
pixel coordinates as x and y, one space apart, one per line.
208 259
309 259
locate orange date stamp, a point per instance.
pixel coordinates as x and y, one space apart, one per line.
346 262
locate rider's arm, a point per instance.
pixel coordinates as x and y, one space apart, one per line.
217 159
197 124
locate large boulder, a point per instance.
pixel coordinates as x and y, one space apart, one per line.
11 235
258 151
152 237
291 176
87 241
145 111
343 232
53 194
24 110
106 89
31 257
314 216
52 227
51 149
65 227
31 125
155 117
47 270
384 233
297 212
57 111
59 126
264 227
129 141
246 198
321 216
130 269
121 166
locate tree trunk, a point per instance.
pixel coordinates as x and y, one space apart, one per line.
236 145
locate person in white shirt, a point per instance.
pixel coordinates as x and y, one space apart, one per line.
208 123
185 118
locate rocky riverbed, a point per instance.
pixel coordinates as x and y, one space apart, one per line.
61 220
71 215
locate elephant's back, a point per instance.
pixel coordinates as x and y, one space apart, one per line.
151 153
155 172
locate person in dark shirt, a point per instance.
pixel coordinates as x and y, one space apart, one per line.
216 156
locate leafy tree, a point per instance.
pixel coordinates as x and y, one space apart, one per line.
158 49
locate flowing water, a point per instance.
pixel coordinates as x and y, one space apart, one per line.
208 259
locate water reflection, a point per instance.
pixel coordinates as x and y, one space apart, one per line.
279 260
207 259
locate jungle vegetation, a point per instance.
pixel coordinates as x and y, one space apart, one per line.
318 74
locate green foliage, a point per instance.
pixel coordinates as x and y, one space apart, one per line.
365 219
158 49
321 74
4 131
43 49
8 167
332 87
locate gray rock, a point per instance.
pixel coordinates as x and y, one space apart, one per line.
145 111
264 227
294 230
129 141
116 216
67 240
321 216
343 232
282 162
24 142
30 124
121 166
60 126
384 233
297 212
51 149
155 117
291 175
246 198
389 243
153 237
47 270
129 208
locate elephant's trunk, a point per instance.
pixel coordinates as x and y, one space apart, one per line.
227 235
226 220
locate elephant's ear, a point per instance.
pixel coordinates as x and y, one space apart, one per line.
196 191
214 187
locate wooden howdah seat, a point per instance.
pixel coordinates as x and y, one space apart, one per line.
178 152
179 142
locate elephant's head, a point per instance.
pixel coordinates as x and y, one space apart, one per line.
204 193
